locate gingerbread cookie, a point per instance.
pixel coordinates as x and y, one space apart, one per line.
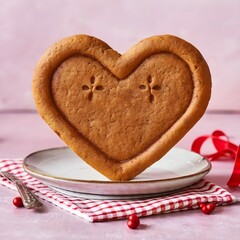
121 113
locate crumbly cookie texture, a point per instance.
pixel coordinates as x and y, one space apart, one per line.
121 113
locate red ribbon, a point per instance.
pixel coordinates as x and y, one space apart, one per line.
224 149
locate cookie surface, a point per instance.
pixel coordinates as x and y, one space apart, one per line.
121 113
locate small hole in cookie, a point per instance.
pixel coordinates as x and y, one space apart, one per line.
85 87
92 79
151 98
149 79
99 88
195 67
90 96
142 87
156 87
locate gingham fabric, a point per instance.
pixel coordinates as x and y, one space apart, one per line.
104 210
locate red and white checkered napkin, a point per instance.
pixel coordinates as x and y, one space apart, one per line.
103 210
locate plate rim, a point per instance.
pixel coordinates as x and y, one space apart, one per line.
41 175
115 196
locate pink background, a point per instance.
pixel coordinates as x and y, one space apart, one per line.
28 27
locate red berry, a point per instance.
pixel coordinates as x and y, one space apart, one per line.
17 201
133 221
201 204
134 218
208 208
131 224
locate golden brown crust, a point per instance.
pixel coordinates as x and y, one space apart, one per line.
121 113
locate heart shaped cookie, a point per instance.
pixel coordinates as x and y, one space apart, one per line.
121 113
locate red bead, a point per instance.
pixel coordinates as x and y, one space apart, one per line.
131 224
201 204
17 201
134 218
208 208
133 221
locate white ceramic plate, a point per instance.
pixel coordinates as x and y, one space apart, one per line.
61 169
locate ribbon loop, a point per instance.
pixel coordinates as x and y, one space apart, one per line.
224 149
